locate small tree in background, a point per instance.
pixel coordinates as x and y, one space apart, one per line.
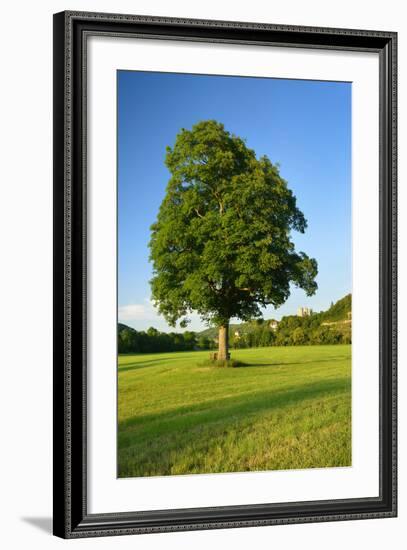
221 243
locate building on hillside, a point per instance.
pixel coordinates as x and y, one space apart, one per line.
304 312
273 324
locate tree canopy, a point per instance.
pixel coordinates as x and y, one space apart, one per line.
221 245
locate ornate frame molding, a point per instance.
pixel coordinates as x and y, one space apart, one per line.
71 30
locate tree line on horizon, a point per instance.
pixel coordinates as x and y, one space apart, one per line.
328 327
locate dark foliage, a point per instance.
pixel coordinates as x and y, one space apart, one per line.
130 340
327 327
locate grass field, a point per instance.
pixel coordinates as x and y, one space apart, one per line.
290 408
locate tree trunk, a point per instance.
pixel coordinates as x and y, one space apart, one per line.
223 345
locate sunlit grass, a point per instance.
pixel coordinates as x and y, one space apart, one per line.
289 407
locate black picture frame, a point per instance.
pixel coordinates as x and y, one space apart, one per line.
71 519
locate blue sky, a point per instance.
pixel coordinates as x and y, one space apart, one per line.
305 126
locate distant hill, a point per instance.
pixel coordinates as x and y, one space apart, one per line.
337 319
213 331
122 326
339 311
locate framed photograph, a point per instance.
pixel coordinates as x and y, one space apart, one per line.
224 274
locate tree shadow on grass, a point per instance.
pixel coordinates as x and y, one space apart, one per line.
237 406
283 364
155 362
142 364
150 442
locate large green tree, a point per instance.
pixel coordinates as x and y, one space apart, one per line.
221 243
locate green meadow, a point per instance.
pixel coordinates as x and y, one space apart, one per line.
289 407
